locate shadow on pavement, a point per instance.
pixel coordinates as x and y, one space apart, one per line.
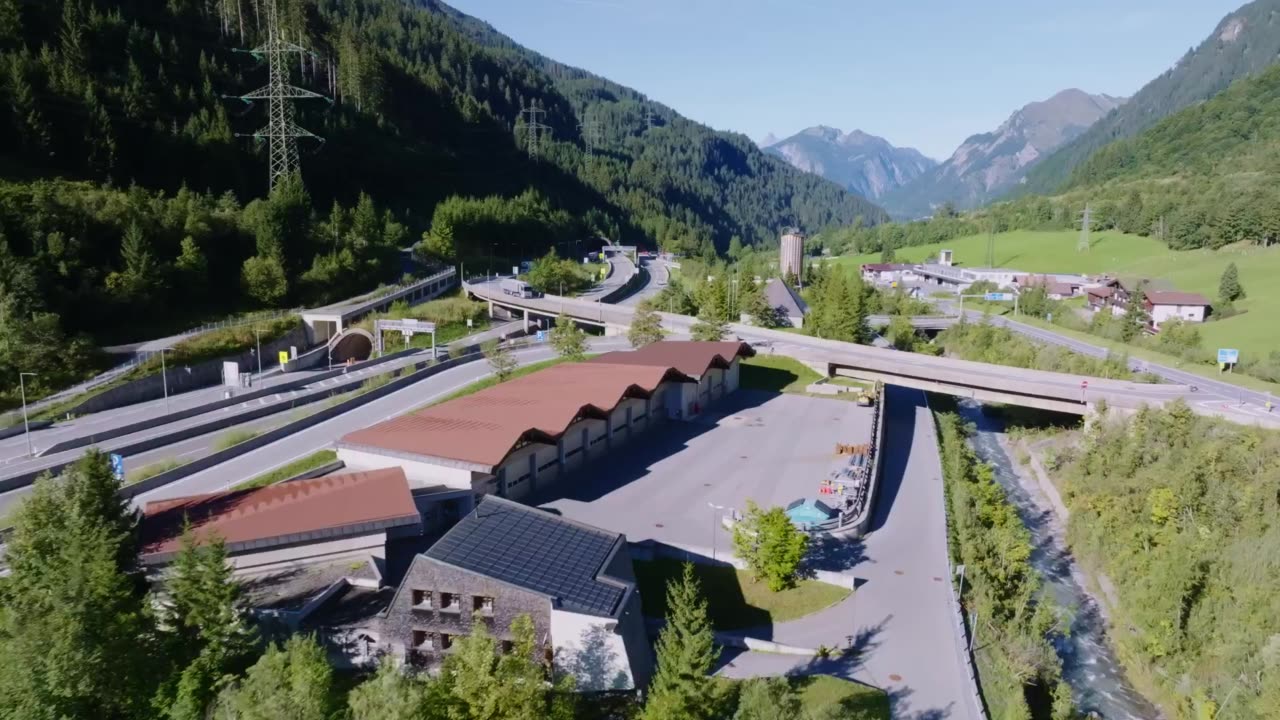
899 428
632 459
835 554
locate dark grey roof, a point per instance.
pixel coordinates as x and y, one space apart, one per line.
781 296
538 551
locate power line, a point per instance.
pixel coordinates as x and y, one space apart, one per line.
534 131
281 132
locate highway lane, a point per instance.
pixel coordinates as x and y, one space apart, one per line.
16 447
659 276
22 464
622 271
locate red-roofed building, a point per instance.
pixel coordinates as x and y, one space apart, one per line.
303 521
512 438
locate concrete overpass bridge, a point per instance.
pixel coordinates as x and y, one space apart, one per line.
327 322
1058 392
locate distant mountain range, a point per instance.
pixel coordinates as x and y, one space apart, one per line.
865 164
1244 43
988 165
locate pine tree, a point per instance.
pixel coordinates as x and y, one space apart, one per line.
1229 287
205 630
73 612
569 340
192 265
293 680
1135 316
709 328
512 686
646 326
686 653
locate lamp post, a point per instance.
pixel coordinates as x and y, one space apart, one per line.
164 377
714 509
257 338
26 426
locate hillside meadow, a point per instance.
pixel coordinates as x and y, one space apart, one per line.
1256 330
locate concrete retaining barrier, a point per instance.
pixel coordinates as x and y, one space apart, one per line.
861 524
129 429
271 436
18 429
183 378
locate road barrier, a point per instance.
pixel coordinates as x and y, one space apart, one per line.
271 436
122 430
18 429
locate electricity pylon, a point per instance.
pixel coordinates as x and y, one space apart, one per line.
533 129
590 136
281 132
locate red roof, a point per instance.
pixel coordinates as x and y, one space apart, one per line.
1173 297
689 357
484 427
331 506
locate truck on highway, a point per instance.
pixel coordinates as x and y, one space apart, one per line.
518 288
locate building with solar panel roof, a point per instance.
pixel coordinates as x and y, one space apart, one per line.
505 559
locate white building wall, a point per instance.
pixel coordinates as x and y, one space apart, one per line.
420 473
1188 313
589 648
374 544
731 375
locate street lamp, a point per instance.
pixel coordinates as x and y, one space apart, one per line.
26 426
164 378
714 509
257 337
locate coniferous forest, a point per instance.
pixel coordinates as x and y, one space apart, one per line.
133 199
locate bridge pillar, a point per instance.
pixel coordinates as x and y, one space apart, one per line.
526 322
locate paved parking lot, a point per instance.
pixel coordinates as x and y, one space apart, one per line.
765 447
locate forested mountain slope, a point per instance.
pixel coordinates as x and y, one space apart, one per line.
1245 42
130 204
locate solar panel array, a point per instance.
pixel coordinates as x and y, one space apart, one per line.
535 550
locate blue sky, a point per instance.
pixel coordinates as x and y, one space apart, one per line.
922 73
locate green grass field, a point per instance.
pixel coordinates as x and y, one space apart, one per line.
734 600
1255 331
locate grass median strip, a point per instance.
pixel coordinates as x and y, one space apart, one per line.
735 601
234 437
147 472
284 472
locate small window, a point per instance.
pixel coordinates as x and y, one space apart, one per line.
450 602
446 641
482 604
507 647
421 640
422 599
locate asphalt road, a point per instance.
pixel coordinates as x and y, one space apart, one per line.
659 275
1210 398
19 463
623 269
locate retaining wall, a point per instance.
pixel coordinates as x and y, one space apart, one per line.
861 524
182 378
271 436
129 429
18 429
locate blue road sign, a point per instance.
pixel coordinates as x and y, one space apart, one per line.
999 297
1228 356
117 466
542 336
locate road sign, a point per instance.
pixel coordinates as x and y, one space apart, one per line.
469 322
542 336
117 466
515 269
999 297
1228 356
1084 384
284 356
